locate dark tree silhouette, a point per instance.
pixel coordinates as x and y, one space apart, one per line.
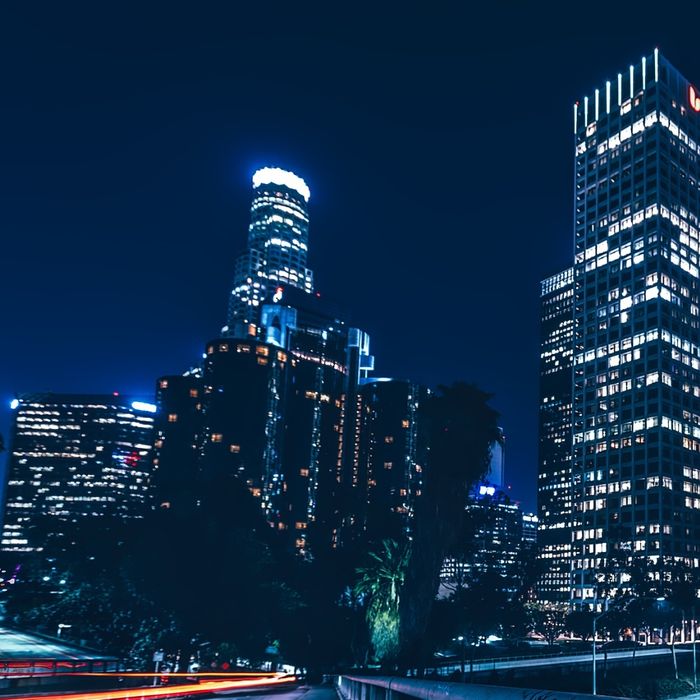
461 429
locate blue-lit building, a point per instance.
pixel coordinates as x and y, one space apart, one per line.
636 348
492 542
274 405
74 458
276 254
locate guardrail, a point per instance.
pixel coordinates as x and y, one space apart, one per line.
52 667
388 687
575 657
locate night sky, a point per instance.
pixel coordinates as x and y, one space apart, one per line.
437 146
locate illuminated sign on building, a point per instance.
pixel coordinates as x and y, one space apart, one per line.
694 98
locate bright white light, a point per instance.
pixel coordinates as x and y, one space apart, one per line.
142 406
14 403
656 65
277 176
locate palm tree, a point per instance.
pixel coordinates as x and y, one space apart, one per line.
379 585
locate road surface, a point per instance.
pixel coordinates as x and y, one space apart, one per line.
317 692
21 646
564 659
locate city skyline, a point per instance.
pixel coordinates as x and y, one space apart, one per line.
142 304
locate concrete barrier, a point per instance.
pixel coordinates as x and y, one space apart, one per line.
387 687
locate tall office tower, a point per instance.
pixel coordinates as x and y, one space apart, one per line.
636 391
74 458
554 473
178 429
326 361
392 456
278 239
242 431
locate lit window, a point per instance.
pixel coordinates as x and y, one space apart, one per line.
404 424
216 437
241 347
389 439
172 417
163 384
194 393
235 449
303 472
388 465
223 347
300 526
262 360
262 350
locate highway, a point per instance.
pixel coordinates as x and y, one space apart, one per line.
18 645
533 661
301 693
241 687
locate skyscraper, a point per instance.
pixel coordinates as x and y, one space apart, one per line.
277 391
74 458
392 457
178 432
276 253
636 389
554 473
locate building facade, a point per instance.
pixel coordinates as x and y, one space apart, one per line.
74 458
392 456
636 389
554 473
178 431
278 239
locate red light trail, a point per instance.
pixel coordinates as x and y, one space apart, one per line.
211 686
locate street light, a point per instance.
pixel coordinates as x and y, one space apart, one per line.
460 639
692 638
595 621
61 627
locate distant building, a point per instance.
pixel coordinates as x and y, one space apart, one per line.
555 423
493 541
529 540
496 473
74 458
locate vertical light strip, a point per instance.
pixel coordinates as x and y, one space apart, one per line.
644 72
656 65
631 81
597 104
576 117
585 111
619 89
607 97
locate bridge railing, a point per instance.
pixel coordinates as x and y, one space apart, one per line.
395 688
51 667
